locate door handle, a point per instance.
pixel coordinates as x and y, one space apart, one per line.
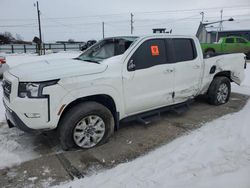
196 66
167 71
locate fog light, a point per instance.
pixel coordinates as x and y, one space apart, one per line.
32 115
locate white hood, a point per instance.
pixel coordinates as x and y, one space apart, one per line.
55 69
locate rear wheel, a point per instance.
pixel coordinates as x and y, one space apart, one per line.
219 91
86 125
248 56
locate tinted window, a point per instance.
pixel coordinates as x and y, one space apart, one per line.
184 49
230 40
240 40
150 53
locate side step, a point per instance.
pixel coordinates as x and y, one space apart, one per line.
182 109
147 117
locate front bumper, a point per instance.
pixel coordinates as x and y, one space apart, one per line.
13 120
31 114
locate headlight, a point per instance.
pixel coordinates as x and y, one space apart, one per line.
33 89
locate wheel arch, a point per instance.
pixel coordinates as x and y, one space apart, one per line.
225 74
104 99
209 49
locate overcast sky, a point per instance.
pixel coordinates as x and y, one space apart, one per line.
82 20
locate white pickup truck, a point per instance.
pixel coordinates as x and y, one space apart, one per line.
85 98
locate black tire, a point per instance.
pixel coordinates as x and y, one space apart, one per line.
215 90
248 56
70 120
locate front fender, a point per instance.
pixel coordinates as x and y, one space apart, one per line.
93 91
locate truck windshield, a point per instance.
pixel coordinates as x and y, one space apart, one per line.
106 48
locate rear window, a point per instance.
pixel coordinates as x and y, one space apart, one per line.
240 40
184 49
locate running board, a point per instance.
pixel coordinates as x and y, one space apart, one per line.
143 121
182 109
147 117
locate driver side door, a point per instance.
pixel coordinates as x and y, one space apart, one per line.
148 79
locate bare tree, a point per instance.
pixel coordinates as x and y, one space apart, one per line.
19 37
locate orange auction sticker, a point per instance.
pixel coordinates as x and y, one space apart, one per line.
155 50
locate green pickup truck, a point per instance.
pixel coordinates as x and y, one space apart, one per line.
228 45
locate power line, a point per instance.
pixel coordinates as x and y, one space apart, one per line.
138 12
21 25
138 21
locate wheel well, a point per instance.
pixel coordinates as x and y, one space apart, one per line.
225 74
103 99
209 49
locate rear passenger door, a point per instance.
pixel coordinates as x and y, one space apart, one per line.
148 78
241 46
188 69
229 45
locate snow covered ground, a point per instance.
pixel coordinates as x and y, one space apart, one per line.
216 155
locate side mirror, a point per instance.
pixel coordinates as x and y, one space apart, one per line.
131 65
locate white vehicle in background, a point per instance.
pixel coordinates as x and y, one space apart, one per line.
116 79
3 66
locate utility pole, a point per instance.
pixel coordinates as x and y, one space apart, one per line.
103 30
40 31
132 23
221 15
220 25
202 17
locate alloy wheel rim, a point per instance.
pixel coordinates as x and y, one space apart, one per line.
89 131
222 93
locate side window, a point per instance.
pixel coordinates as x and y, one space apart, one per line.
229 40
184 49
240 40
149 54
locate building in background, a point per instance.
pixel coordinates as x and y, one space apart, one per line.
206 36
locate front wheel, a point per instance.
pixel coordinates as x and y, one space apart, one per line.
219 91
86 125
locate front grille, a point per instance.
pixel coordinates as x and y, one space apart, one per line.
6 88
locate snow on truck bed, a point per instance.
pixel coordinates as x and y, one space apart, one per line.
216 155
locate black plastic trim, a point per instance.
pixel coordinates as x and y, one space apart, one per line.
14 120
213 69
156 111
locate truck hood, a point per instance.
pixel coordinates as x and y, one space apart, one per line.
55 69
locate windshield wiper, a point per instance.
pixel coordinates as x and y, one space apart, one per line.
77 58
88 60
